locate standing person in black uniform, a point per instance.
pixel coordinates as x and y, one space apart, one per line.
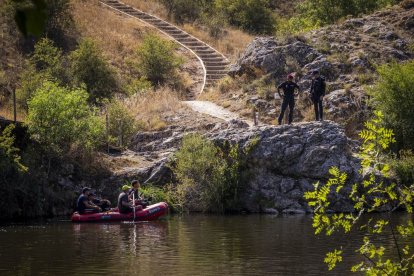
288 97
317 92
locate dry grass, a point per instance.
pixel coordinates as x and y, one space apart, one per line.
152 109
117 35
149 6
7 112
231 44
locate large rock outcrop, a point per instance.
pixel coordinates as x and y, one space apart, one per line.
287 161
284 163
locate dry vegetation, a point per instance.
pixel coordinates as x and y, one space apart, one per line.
117 35
154 109
232 43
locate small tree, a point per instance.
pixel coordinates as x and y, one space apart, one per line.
393 95
46 63
9 154
323 12
157 60
59 20
59 118
373 194
122 125
89 67
210 176
251 15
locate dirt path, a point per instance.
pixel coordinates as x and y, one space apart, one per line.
214 110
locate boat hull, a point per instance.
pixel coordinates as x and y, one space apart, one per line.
152 212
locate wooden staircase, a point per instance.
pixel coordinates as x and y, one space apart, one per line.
215 64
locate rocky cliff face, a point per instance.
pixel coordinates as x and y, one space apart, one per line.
287 161
284 163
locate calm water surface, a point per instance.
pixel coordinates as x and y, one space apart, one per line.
178 245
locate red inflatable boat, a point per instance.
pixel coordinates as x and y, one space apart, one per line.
152 212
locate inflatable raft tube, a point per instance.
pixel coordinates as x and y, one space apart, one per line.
152 212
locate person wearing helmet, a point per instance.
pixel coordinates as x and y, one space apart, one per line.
317 92
288 97
84 206
124 205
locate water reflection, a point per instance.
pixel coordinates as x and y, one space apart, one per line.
181 245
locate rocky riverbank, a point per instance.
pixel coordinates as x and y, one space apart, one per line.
284 163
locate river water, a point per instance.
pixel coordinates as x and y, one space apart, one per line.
177 245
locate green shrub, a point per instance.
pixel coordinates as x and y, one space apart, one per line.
322 12
138 86
404 167
31 80
48 59
185 10
374 193
201 168
209 177
89 67
157 60
60 118
46 63
393 95
215 23
294 25
59 21
9 154
251 15
161 194
122 125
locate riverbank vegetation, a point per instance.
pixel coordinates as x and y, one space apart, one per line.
376 193
66 87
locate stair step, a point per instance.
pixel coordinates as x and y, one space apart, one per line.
214 59
182 36
193 43
216 68
209 55
209 63
217 72
162 24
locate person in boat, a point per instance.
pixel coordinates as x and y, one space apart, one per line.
124 204
288 97
84 206
104 204
139 200
134 190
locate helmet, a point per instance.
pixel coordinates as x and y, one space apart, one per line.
125 188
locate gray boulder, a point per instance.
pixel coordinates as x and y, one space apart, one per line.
287 160
268 55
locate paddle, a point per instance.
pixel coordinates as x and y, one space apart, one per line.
133 202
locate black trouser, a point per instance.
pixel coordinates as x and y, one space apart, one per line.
318 109
287 101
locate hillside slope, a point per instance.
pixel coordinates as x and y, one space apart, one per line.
347 54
